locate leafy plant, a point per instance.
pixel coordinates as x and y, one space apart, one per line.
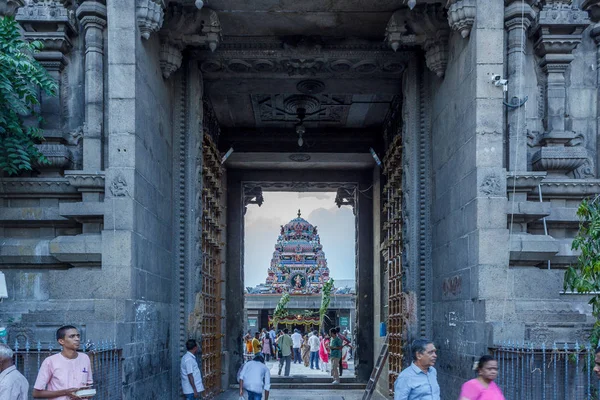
325 300
584 277
281 309
21 79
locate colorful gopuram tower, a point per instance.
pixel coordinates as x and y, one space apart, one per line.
298 265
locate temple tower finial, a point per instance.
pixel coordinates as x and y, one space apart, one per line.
299 213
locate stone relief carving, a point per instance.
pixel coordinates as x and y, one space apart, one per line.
491 186
461 16
328 108
426 27
118 186
58 156
346 196
309 66
150 15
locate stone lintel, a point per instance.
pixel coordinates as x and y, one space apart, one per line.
532 250
565 188
82 211
36 215
80 250
523 181
527 211
86 181
36 187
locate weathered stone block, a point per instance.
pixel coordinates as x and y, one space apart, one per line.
121 83
121 114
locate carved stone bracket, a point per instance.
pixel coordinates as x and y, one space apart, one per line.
170 57
461 16
86 181
346 196
557 32
9 7
150 15
252 195
426 27
183 28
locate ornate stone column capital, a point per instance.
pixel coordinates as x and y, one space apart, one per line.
170 56
92 15
426 27
150 16
8 8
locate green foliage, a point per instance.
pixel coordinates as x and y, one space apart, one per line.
584 277
21 79
281 309
325 300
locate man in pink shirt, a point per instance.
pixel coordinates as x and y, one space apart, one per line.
63 374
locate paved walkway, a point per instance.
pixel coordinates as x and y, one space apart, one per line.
301 370
299 394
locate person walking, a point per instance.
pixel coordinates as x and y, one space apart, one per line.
336 355
191 379
64 373
285 346
254 378
297 342
419 380
324 352
305 350
314 344
267 347
483 387
13 385
273 337
256 344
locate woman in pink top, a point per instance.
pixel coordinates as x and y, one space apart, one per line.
323 354
483 387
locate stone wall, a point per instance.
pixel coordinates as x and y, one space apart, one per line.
468 211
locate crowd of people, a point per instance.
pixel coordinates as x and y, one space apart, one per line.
325 351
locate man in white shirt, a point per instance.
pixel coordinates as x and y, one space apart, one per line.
314 343
13 385
191 380
255 377
297 343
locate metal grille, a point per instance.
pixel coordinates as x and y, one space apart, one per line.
392 255
562 371
105 361
212 247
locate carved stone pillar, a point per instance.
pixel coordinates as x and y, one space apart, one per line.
426 27
557 33
92 15
53 24
9 7
518 17
593 7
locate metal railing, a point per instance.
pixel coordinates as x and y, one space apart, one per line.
105 358
556 372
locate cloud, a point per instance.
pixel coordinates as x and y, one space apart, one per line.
262 226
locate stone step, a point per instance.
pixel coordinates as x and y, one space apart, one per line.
315 386
310 379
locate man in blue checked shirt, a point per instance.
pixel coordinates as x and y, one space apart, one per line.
419 380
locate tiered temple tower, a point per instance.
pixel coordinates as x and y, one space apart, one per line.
298 265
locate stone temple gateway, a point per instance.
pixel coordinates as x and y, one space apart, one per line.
484 112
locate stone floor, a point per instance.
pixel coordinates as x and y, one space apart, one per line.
300 394
301 370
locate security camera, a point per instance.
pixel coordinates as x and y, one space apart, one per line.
498 80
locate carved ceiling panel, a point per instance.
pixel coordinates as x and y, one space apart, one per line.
325 109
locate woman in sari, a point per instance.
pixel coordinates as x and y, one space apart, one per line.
266 347
305 350
323 352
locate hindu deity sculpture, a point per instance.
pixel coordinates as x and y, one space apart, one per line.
298 265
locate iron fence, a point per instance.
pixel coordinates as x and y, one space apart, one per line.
105 359
556 372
